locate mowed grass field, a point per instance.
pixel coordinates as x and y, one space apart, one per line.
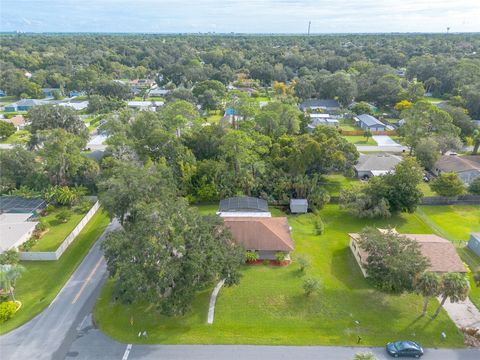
269 305
42 280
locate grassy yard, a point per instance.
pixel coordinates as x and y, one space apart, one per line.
425 188
269 307
335 183
455 223
42 280
19 137
57 231
360 140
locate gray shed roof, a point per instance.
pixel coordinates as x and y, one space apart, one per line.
369 120
243 204
379 162
298 202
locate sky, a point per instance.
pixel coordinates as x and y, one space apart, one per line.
240 16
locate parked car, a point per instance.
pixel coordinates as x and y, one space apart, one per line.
404 349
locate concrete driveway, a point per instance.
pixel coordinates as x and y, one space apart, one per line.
384 140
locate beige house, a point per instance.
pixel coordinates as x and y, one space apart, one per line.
440 253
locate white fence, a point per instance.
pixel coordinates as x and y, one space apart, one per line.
55 255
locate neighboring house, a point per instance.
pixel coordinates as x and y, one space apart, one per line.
265 236
18 121
375 165
158 92
2 93
474 243
243 207
325 105
144 105
368 122
440 253
467 167
298 206
24 105
50 92
477 123
16 225
78 106
321 119
75 93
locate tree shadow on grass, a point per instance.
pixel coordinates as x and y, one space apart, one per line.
345 268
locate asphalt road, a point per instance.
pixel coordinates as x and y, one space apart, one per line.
93 344
51 333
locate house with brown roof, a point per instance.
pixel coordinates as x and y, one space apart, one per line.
467 167
440 253
18 121
264 235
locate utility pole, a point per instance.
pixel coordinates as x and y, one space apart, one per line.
309 23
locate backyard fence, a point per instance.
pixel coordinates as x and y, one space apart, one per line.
55 255
457 200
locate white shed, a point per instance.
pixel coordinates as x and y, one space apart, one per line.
298 206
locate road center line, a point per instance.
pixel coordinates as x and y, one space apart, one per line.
127 352
87 281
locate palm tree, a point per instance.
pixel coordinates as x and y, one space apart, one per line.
428 285
8 277
454 286
476 141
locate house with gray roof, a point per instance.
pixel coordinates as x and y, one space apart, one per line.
375 165
158 92
24 105
326 105
369 122
467 167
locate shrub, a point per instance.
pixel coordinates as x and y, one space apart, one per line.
448 184
10 257
310 286
83 206
280 256
42 225
303 262
251 256
49 209
474 187
266 262
319 226
63 215
27 245
364 356
7 310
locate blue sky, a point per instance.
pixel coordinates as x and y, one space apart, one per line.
247 16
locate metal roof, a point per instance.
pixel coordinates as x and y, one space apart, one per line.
381 162
326 103
243 204
369 120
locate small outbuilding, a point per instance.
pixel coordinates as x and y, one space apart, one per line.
298 206
474 243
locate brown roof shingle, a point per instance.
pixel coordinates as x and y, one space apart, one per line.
264 234
439 251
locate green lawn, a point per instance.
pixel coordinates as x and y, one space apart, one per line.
20 137
360 140
42 280
456 222
347 127
426 190
269 307
57 231
335 183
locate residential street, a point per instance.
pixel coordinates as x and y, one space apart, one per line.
50 334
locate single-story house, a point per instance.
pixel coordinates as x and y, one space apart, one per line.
474 243
243 206
325 105
158 92
75 105
369 122
18 121
144 105
16 224
24 105
440 253
50 92
375 165
321 119
467 167
265 236
298 206
74 93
